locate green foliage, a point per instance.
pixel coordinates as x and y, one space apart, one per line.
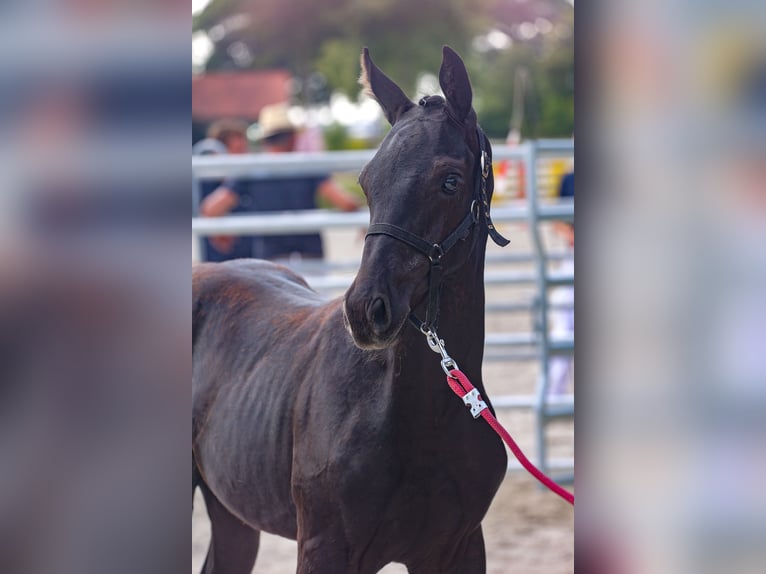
348 181
405 37
303 36
548 93
336 137
556 92
214 12
338 62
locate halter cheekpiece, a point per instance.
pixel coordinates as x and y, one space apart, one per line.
479 208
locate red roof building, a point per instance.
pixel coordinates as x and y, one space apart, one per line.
237 94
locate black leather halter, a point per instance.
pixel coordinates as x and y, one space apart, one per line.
479 209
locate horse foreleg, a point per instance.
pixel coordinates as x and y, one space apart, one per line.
469 557
473 559
323 554
196 479
233 544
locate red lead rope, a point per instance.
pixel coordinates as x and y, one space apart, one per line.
460 384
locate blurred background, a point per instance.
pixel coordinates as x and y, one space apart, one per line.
94 332
250 53
672 355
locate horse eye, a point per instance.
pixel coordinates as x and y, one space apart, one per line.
450 184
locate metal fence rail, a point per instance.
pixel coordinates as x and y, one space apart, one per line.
283 223
317 163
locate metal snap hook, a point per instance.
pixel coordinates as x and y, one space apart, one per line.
437 346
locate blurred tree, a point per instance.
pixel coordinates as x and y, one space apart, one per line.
336 137
326 36
533 68
319 41
339 62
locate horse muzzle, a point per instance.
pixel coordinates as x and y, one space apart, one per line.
372 317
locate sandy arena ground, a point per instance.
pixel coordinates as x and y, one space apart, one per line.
527 530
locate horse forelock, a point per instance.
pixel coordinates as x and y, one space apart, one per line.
431 101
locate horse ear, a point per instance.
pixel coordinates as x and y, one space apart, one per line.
453 79
376 84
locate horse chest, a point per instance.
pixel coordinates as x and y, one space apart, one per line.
442 477
400 505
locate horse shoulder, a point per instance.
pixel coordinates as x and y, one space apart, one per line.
242 275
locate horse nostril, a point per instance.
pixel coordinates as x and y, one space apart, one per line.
378 314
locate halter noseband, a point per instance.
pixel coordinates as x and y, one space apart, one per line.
435 252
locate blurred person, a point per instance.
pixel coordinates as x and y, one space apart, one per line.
232 133
310 139
560 368
225 136
277 134
208 146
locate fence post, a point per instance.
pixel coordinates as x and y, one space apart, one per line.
196 200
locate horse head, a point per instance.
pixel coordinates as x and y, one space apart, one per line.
426 181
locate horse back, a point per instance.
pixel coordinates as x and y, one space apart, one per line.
241 310
224 290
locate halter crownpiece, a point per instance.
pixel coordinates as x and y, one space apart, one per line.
435 252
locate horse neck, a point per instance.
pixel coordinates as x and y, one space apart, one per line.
461 318
461 327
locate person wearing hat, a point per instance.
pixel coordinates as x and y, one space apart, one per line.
225 136
276 133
